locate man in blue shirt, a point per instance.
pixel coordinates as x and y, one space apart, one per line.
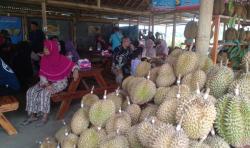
116 38
8 82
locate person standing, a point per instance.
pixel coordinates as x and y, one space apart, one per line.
121 58
162 49
36 37
116 38
149 50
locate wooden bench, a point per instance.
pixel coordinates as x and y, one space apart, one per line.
7 104
71 93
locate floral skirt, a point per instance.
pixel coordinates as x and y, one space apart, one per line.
38 98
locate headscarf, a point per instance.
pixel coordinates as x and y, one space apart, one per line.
54 66
162 49
70 48
149 48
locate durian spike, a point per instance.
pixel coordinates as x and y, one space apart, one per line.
117 91
202 139
128 100
148 76
178 95
206 94
178 127
236 90
99 128
105 95
198 91
179 80
118 131
212 132
227 61
92 89
247 67
191 47
120 110
221 63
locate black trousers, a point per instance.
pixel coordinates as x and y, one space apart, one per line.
6 91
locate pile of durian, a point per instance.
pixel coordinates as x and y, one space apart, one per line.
185 103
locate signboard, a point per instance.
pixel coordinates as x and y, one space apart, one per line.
187 4
14 26
163 5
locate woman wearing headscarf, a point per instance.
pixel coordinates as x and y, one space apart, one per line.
54 71
149 50
162 49
71 51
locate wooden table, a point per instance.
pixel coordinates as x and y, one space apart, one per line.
7 104
72 93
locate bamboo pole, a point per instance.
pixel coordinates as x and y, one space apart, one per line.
153 23
44 17
25 27
99 3
204 29
174 31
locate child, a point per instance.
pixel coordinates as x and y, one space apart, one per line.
136 59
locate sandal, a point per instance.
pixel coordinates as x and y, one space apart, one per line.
29 121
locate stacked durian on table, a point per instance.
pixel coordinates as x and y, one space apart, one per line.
188 103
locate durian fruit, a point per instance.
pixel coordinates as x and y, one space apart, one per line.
154 73
216 142
120 121
70 141
145 129
133 139
118 141
172 57
134 111
196 115
219 7
246 59
167 110
197 144
132 83
89 99
166 76
240 11
218 80
186 63
243 82
205 62
91 138
231 34
101 111
126 82
161 94
60 134
192 79
233 119
149 111
248 32
242 34
48 143
143 69
176 52
191 30
143 91
79 121
116 98
183 89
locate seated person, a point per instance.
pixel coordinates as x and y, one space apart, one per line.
149 50
54 71
162 49
71 51
8 82
121 57
136 59
101 44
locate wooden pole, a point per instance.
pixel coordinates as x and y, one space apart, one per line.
204 29
25 27
44 17
216 38
74 31
99 3
174 31
149 26
153 23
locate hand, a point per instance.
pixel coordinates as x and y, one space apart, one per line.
40 54
49 88
75 75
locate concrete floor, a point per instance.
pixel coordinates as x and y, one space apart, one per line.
28 136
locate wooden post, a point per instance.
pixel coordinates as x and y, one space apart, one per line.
174 31
216 38
153 23
99 3
129 21
204 29
25 27
74 31
149 22
44 16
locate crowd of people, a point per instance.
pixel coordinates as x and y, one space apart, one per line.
52 61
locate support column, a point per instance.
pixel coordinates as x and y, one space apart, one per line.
44 17
149 24
204 29
153 23
99 3
25 27
216 38
74 31
174 31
